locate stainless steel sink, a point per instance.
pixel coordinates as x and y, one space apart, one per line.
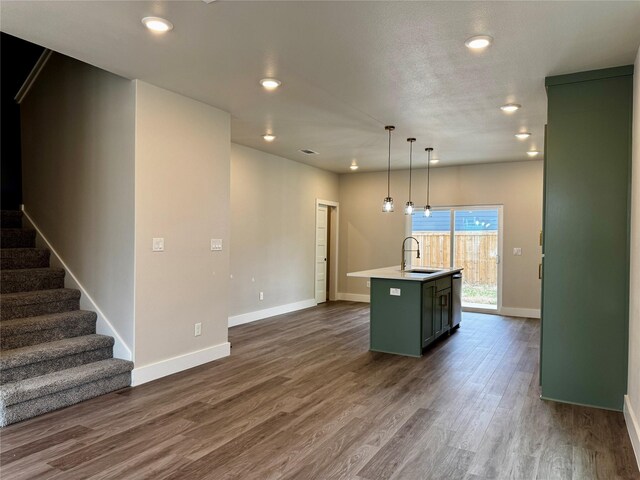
424 270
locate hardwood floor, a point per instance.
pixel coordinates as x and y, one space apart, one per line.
301 398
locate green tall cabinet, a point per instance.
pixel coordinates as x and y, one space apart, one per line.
585 292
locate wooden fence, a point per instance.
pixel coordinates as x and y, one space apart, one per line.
476 252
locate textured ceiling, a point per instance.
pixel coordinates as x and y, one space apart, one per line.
349 68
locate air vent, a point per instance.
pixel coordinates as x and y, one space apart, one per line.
306 151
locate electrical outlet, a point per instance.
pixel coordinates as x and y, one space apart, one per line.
197 331
158 245
368 283
261 295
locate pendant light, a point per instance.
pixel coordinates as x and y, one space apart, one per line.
387 204
427 208
408 209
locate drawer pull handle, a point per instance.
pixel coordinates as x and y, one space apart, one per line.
539 271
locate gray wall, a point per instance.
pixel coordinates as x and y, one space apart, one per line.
273 228
78 168
372 239
181 195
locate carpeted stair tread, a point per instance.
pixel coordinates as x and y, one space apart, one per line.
19 326
31 279
22 332
39 302
11 219
40 405
20 258
41 296
31 388
43 352
17 238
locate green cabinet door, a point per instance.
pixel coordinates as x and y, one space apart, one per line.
443 311
585 294
428 312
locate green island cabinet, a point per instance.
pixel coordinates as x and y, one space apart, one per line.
406 316
585 290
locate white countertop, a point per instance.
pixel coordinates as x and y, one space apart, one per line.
396 274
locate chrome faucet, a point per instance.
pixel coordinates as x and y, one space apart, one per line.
403 265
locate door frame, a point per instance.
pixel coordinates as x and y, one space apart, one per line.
452 209
333 242
498 309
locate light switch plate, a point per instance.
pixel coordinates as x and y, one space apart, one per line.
517 251
216 244
394 291
158 245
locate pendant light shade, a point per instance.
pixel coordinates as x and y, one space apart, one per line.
427 208
387 203
408 208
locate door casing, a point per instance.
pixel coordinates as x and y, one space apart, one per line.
333 209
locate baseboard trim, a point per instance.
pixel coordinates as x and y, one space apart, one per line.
354 297
490 311
270 312
520 312
103 325
154 371
633 427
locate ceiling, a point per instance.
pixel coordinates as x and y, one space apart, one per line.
349 68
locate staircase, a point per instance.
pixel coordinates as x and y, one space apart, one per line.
50 354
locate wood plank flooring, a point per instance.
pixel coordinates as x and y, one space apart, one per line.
301 397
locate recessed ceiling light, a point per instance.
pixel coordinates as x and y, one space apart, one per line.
523 135
532 153
269 137
270 83
510 107
478 42
157 24
354 165
434 160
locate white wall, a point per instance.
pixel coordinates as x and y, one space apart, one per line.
78 165
181 195
632 400
372 239
273 230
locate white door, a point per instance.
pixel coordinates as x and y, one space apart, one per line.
321 253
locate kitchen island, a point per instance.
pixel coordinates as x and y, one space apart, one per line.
411 308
